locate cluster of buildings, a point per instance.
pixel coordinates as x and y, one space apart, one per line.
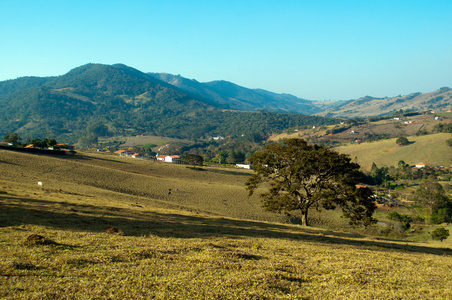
163 158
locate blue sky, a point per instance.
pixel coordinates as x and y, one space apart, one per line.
317 50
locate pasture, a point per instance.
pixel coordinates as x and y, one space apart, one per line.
430 149
206 239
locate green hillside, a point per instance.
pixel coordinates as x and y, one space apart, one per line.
128 102
429 149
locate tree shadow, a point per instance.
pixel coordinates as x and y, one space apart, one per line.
229 172
136 221
88 158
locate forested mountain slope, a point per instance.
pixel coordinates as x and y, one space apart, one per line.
125 101
229 95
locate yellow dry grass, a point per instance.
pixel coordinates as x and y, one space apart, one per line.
178 248
429 149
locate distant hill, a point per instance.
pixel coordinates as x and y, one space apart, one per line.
369 106
232 96
124 101
430 149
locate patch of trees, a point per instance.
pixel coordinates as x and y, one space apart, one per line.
432 195
384 176
444 127
144 150
46 143
13 138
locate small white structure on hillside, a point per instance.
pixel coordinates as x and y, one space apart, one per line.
168 158
245 166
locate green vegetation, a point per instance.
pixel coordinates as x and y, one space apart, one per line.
402 141
194 159
99 100
302 176
13 138
440 234
432 194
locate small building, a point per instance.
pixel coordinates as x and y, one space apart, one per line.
420 165
245 166
168 158
161 157
172 158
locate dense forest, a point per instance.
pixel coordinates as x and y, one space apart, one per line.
124 101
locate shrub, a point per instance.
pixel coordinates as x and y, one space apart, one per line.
395 216
440 234
402 141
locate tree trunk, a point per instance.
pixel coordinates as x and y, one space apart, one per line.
304 217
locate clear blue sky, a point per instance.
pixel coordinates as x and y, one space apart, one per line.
313 49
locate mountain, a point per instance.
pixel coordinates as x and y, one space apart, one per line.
370 106
232 96
120 100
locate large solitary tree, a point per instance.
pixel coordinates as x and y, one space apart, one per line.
301 176
194 159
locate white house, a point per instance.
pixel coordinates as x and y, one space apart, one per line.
168 158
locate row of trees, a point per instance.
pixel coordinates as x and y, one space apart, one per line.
15 139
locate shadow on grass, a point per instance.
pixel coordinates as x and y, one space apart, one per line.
15 211
82 157
229 172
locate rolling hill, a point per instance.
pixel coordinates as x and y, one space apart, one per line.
106 227
440 100
128 102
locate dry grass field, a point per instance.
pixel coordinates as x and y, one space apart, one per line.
204 240
429 149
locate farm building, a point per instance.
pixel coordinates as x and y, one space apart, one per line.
420 165
168 158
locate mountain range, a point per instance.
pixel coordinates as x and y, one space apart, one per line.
231 96
127 101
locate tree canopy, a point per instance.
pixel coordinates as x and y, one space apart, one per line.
433 195
194 159
402 141
12 138
301 176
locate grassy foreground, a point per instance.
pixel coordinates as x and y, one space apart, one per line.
168 253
